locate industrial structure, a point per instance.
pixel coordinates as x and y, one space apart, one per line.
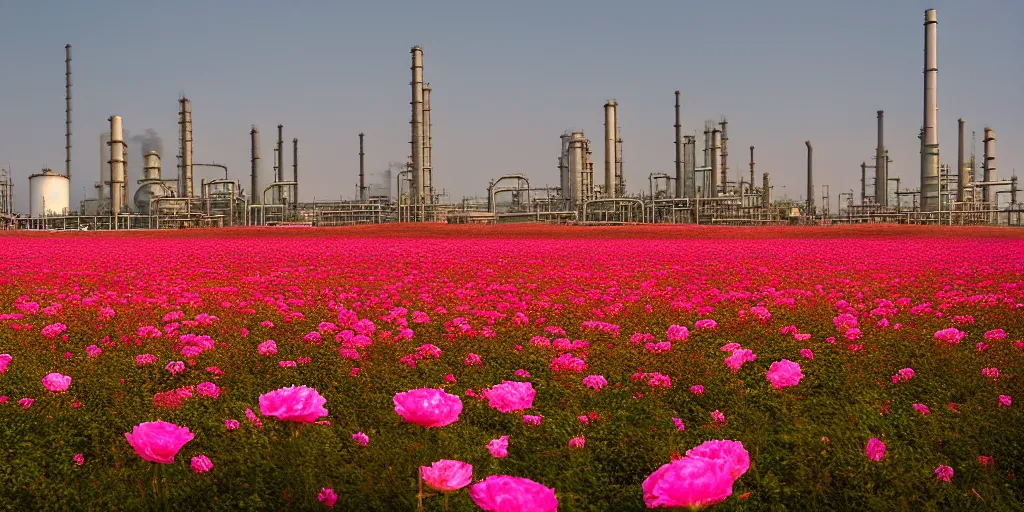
698 193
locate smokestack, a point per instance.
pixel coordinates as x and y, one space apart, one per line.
990 166
279 175
751 169
881 166
67 112
257 194
930 141
563 167
577 165
961 171
679 152
428 166
362 170
609 149
417 126
766 191
724 152
185 188
295 174
620 182
863 182
117 151
689 166
810 178
716 161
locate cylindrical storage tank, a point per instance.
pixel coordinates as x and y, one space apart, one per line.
49 194
151 166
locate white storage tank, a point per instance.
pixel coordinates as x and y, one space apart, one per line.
49 194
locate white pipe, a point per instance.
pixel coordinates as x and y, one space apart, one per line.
609 149
930 140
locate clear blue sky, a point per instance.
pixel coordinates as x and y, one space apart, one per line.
508 78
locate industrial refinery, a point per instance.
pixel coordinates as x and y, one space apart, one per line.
964 189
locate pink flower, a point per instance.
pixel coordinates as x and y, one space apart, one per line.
79 459
498 447
522 373
992 373
56 383
688 482
806 353
428 407
26 402
584 419
158 441
921 408
732 452
328 497
718 417
473 360
91 351
175 367
951 336
208 389
738 357
730 347
982 346
577 442
875 449
503 493
214 370
830 339
995 334
447 475
231 424
705 325
53 330
985 461
679 424
697 390
145 359
844 322
944 473
677 333
532 420
267 348
299 404
361 438
5 359
353 372
1005 400
567 363
595 382
510 396
658 348
287 364
251 416
201 464
449 378
784 373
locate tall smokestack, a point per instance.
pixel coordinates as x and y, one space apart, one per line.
716 160
257 194
362 170
961 170
279 175
417 126
930 141
766 191
724 152
609 148
679 152
689 166
810 178
185 185
117 176
751 169
990 166
863 182
428 166
881 166
620 181
67 112
295 174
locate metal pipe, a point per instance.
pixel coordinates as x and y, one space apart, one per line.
428 166
990 166
295 174
810 178
751 169
724 154
679 152
881 166
576 167
416 195
689 166
930 139
254 134
620 180
863 182
362 176
185 185
116 164
961 170
609 149
67 112
279 192
716 148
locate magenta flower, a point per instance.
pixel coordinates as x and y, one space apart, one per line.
53 330
784 373
503 493
981 346
985 461
730 347
944 473
158 441
992 373
677 333
806 353
679 424
473 360
267 348
56 383
532 420
361 438
921 408
5 359
447 475
732 452
595 382
951 336
498 447
995 334
705 325
231 424
91 351
175 367
577 442
145 359
510 396
287 364
328 497
717 417
208 389
738 357
26 402
522 373
689 482
697 390
1004 400
201 464
428 407
875 449
79 459
295 403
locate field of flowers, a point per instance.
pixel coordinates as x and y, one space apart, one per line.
522 368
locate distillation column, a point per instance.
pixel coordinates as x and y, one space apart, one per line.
609 149
416 194
990 167
881 166
362 171
961 170
930 140
117 177
810 178
185 185
428 166
257 194
716 160
679 152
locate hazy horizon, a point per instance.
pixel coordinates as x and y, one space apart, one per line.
507 80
